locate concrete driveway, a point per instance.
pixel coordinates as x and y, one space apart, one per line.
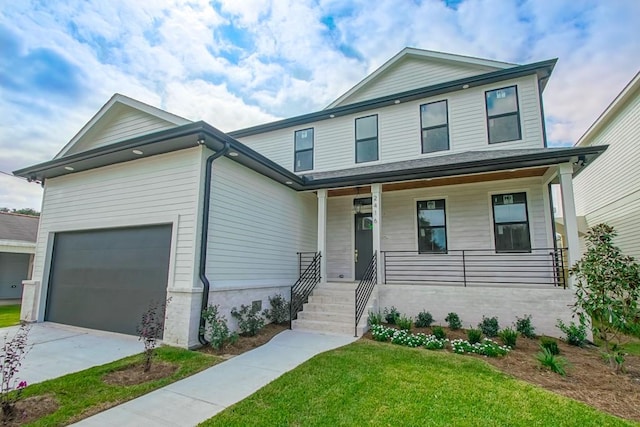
58 350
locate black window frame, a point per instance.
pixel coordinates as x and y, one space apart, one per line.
496 224
497 116
363 140
444 226
446 125
296 151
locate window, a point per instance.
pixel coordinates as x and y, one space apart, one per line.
435 126
367 139
432 230
503 118
303 160
511 222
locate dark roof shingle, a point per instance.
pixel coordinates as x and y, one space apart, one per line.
18 227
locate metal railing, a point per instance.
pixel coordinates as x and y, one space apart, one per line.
301 290
304 259
365 287
478 267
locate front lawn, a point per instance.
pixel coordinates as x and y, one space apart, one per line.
370 383
9 315
86 393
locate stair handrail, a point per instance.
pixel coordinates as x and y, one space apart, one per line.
303 287
365 288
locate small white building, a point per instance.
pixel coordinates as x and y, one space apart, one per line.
426 186
17 247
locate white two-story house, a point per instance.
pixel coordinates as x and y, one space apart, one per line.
425 186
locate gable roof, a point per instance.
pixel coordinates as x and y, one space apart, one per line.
631 89
484 65
18 227
109 109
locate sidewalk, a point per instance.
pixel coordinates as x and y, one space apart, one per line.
201 396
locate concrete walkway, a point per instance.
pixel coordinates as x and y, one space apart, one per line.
201 396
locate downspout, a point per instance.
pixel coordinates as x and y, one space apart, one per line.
204 237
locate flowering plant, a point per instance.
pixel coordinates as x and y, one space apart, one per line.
13 352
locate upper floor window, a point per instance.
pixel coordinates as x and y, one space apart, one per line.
511 222
435 126
432 230
503 117
303 160
367 139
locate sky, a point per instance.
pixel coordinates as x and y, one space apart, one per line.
237 63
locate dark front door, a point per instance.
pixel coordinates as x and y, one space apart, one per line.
364 243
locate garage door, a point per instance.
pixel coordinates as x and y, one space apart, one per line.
14 268
105 279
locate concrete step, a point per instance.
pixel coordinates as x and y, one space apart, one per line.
329 327
346 286
327 307
332 299
327 316
334 292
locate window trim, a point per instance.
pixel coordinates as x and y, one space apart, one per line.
423 128
497 116
494 224
296 151
377 138
445 226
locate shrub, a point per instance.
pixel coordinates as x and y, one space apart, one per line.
150 330
375 318
381 332
279 312
433 343
487 348
489 326
439 333
401 337
509 337
216 330
13 352
549 360
576 334
550 344
524 326
424 319
249 319
474 335
391 315
454 321
404 323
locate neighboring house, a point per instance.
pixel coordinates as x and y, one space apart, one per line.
17 247
609 191
429 179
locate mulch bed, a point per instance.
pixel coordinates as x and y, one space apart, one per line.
589 378
31 409
245 344
134 374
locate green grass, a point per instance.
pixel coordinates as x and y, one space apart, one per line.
9 315
633 347
80 392
369 383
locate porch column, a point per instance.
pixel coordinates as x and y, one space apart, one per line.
376 212
322 232
569 213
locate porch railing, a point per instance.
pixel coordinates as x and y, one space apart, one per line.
304 259
365 287
303 287
477 267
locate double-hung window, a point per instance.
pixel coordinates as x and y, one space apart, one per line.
503 117
435 126
303 141
511 222
432 226
367 139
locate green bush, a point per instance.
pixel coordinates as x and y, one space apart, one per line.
404 323
576 334
279 312
375 318
549 360
487 348
424 320
524 326
249 320
550 344
489 326
391 315
474 335
508 337
453 320
438 332
216 330
382 333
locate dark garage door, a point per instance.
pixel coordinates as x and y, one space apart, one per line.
14 268
105 279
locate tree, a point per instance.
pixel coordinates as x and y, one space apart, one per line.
23 211
608 292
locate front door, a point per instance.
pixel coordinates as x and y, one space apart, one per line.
363 243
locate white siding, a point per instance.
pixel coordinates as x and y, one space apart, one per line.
256 227
399 130
121 123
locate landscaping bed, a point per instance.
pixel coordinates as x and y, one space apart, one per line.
247 343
